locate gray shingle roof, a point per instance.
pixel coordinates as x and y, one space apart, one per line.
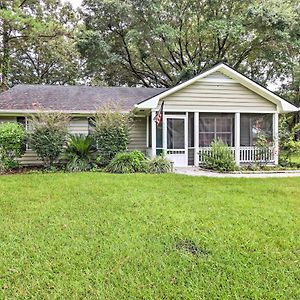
72 98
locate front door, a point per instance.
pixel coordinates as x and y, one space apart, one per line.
176 140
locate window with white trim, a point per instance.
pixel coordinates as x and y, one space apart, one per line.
24 122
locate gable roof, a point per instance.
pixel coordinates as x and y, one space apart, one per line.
282 105
73 99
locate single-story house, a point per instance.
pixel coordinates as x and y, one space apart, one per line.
219 103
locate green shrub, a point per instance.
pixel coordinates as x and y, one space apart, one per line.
12 144
111 132
79 153
288 145
220 157
48 136
127 162
159 164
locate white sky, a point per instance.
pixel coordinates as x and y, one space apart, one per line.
75 3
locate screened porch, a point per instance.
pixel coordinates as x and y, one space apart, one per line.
185 137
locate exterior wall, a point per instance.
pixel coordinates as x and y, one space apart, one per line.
217 92
138 135
4 119
79 125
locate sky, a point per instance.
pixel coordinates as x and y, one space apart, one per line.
75 3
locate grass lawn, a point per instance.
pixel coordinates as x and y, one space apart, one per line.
102 236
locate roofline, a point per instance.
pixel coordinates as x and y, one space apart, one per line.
34 111
284 105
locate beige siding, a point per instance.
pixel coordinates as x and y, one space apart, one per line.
217 92
138 135
4 119
79 126
30 158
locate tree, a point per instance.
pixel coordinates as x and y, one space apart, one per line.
36 37
162 43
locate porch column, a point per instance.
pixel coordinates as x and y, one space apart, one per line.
237 136
153 130
196 138
164 134
275 137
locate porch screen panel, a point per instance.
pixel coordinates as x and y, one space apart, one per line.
149 132
191 138
216 126
175 134
159 137
254 126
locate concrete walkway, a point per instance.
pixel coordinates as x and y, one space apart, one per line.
192 171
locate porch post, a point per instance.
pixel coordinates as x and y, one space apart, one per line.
237 136
164 134
196 138
153 129
276 137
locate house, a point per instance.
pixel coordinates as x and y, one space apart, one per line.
219 103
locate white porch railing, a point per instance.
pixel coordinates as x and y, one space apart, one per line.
255 154
247 154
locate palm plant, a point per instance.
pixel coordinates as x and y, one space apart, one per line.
79 152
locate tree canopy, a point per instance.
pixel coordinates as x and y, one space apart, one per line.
37 42
150 43
162 43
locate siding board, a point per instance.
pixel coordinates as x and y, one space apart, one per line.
138 135
217 92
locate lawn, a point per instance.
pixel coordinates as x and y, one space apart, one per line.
102 236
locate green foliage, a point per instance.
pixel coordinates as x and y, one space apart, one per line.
79 153
287 143
159 164
111 132
255 37
127 162
219 158
48 136
12 144
37 42
263 145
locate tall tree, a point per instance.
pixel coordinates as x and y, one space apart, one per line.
162 43
37 42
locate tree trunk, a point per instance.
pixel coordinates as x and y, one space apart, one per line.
5 52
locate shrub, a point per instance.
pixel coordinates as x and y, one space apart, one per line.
12 142
220 157
287 142
79 152
263 145
111 132
159 164
127 162
48 136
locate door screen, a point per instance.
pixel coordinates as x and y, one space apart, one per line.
175 133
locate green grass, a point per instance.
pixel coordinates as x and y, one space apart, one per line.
101 236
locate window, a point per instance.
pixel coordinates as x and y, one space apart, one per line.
91 125
216 126
254 125
24 122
